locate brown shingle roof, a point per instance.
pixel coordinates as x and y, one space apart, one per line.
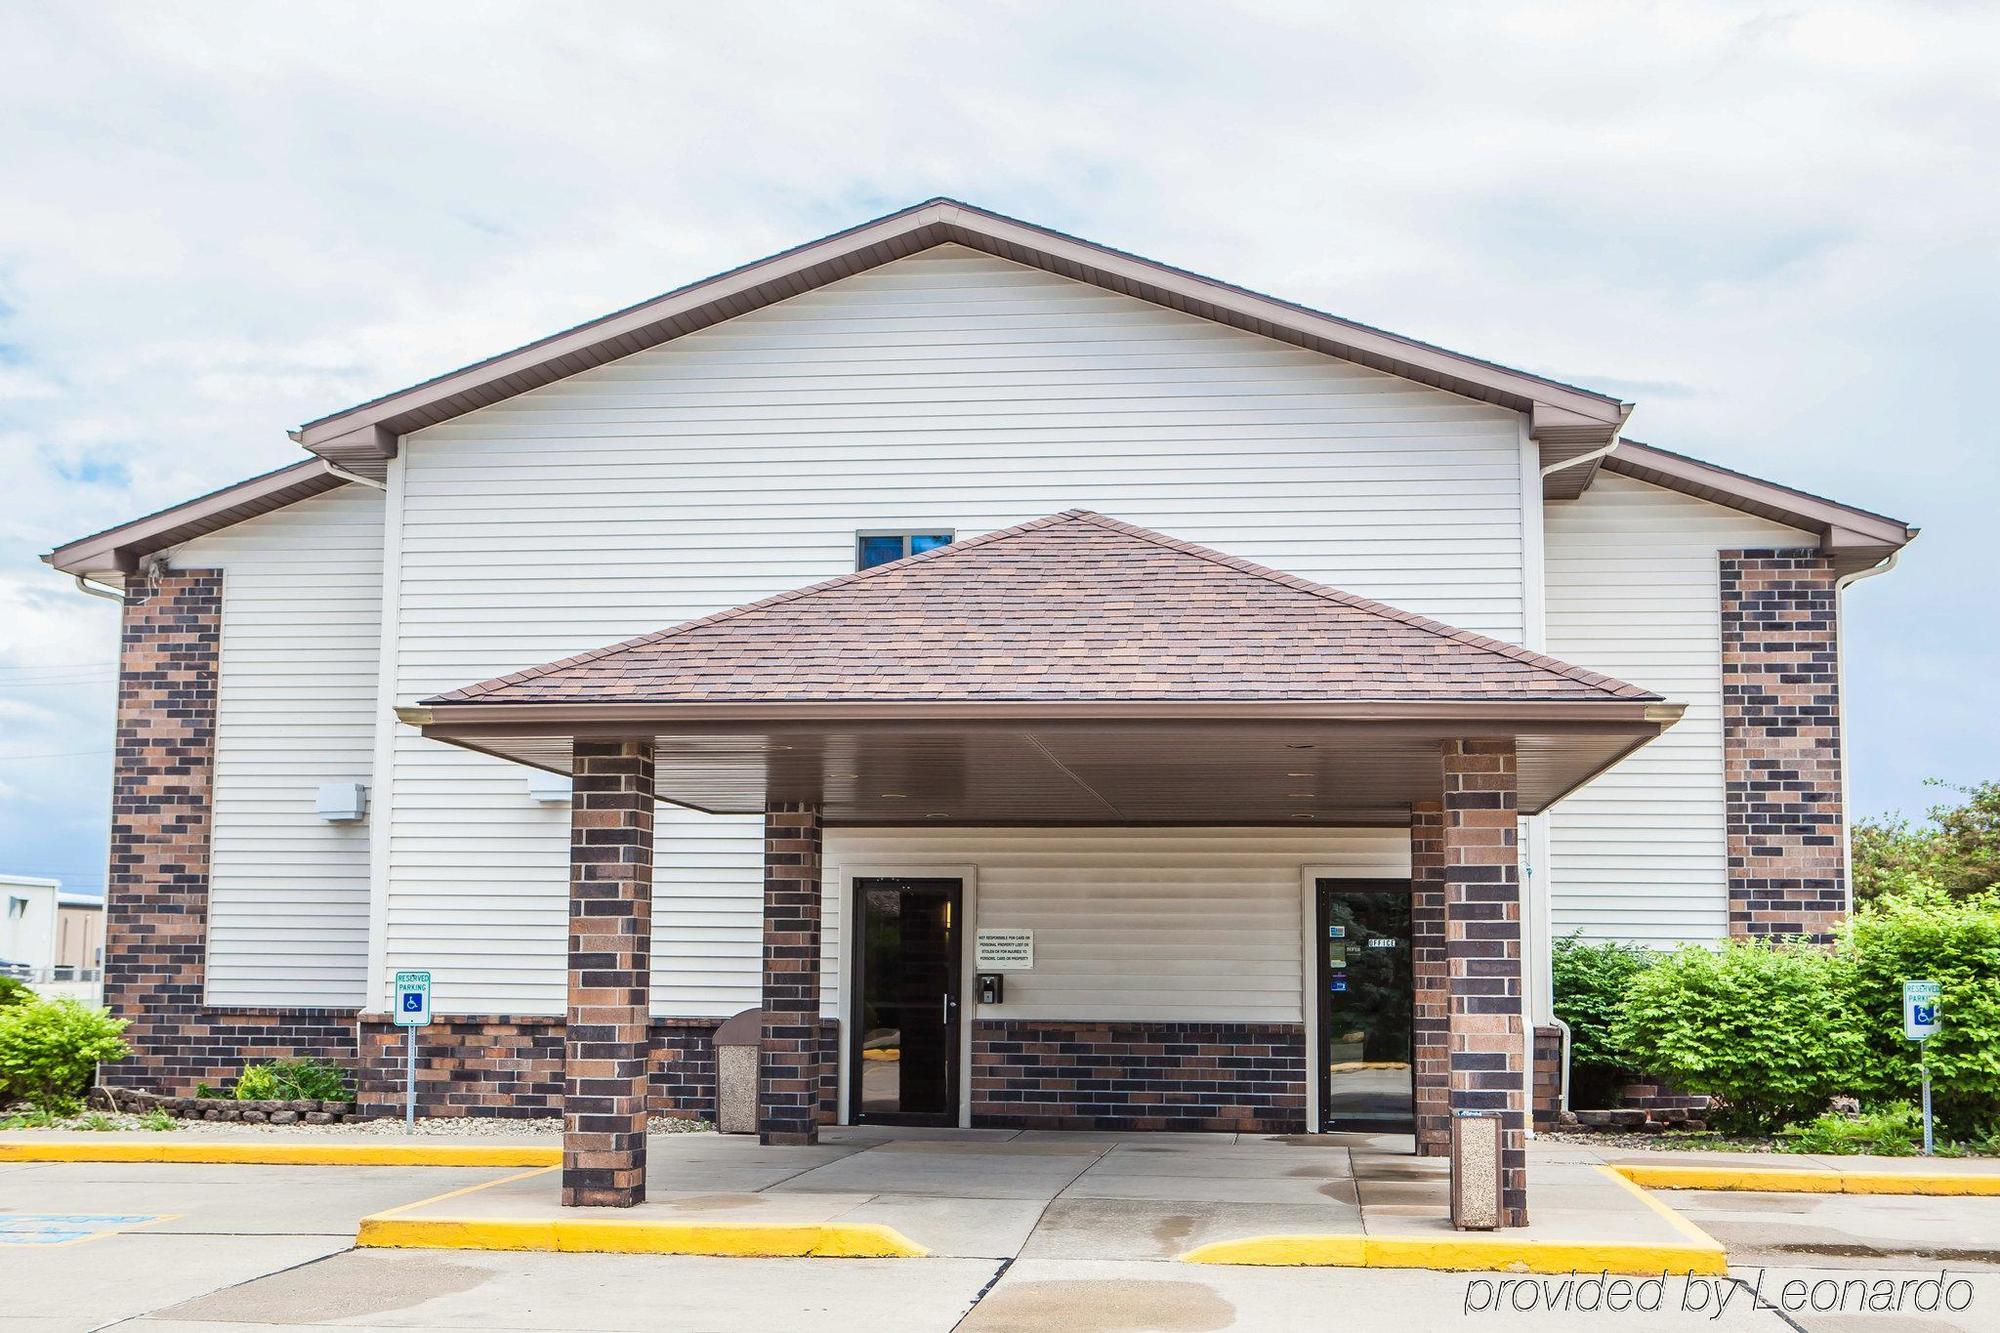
1073 607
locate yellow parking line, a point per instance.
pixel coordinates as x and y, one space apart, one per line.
823 1240
464 1190
1688 1229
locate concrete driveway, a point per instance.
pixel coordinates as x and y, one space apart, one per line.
1072 1232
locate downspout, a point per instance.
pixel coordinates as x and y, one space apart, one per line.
1840 587
1562 1097
1562 1092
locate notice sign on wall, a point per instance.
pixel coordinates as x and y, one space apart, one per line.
1003 950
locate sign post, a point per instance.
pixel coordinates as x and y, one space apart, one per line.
1920 1023
413 1011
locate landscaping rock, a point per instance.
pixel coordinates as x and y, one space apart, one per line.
284 1117
1619 1119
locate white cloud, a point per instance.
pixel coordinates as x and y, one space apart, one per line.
225 220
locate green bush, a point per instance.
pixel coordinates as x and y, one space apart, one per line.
1957 849
1928 934
1590 984
292 1080
50 1049
1764 1027
14 991
1897 1130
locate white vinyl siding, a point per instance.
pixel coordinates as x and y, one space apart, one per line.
950 391
1634 591
301 622
1135 923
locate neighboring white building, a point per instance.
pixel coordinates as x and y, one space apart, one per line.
28 922
934 376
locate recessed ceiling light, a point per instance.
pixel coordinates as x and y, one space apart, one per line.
1298 775
843 775
1299 793
895 796
1304 815
937 814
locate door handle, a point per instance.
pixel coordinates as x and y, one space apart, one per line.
949 1001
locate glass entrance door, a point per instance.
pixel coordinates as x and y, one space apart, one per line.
1367 1004
903 1057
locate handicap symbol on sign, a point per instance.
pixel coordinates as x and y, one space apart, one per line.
413 1002
1923 1015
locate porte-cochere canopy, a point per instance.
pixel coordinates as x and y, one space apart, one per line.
1074 669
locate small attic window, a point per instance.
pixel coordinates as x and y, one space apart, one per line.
879 548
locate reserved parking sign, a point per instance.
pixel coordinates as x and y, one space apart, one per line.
413 999
1920 1009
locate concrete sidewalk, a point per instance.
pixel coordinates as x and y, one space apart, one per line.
1001 1194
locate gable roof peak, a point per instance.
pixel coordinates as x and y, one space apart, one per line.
1569 422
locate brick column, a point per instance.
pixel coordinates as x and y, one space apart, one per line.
1781 744
1433 979
1482 892
788 1070
156 889
606 1044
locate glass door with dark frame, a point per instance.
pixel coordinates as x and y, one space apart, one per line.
1367 1005
904 1056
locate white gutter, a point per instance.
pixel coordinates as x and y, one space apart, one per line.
341 472
1580 459
108 594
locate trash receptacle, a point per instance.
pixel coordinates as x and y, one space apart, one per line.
737 1042
1475 1170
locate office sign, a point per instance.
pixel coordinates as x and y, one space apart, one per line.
1004 950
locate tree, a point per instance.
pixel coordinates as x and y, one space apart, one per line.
1957 849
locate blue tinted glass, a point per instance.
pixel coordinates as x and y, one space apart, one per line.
880 551
929 541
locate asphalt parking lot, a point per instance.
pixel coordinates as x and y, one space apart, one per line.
151 1246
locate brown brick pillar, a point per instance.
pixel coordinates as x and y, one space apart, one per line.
606 1044
156 889
788 1072
1482 892
1781 744
1433 979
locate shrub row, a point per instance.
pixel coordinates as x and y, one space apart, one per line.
50 1049
1778 1030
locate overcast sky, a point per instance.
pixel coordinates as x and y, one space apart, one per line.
1773 227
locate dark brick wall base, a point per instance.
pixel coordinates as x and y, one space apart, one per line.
1545 1092
513 1067
1248 1077
176 1051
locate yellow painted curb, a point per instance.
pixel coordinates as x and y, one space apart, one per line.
282 1154
819 1240
1701 1255
1460 1254
1785 1180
